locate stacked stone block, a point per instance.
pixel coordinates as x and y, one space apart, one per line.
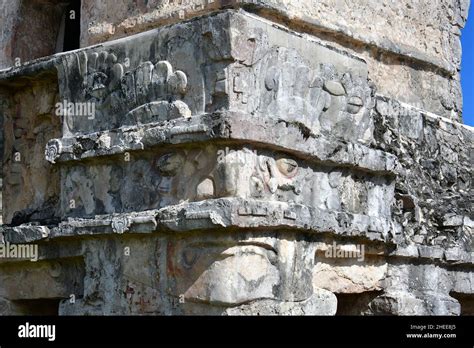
215 165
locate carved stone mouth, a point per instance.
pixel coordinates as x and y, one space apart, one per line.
354 105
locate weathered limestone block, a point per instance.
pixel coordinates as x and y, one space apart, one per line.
52 280
252 68
349 276
171 177
386 24
29 181
223 165
124 277
417 290
424 35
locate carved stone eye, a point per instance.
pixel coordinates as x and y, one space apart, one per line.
169 164
334 87
287 167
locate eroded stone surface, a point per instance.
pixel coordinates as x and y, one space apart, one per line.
226 166
423 33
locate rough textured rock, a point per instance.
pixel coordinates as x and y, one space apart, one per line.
30 30
412 47
230 165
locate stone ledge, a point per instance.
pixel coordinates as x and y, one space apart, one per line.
213 214
221 126
453 255
235 213
443 122
241 214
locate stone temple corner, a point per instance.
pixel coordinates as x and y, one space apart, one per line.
224 157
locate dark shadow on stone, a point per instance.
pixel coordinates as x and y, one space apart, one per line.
356 304
38 306
43 215
466 301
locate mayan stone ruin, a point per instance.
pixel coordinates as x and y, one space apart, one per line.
235 157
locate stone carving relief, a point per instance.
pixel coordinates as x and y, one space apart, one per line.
120 224
150 92
103 76
248 174
155 88
52 150
154 181
228 271
150 182
319 100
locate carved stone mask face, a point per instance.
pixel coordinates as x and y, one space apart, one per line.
208 270
211 273
357 93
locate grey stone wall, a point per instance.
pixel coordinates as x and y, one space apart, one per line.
260 159
412 47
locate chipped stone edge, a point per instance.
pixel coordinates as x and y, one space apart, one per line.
213 214
221 126
239 213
